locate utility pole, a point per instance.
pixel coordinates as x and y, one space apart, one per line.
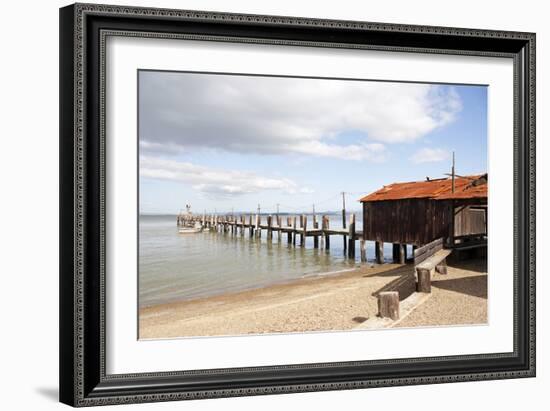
344 220
343 209
453 173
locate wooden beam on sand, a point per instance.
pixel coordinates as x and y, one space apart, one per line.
424 282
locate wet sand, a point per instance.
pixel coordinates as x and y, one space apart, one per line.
320 303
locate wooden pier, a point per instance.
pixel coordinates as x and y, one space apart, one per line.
294 228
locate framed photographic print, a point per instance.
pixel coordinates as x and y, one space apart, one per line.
262 204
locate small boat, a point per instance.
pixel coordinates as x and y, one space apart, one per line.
197 228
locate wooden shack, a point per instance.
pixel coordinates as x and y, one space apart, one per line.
416 213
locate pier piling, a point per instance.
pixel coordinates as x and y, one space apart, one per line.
237 224
363 251
269 227
294 231
379 251
325 226
351 241
304 231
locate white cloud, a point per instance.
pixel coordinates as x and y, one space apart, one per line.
430 155
270 115
215 182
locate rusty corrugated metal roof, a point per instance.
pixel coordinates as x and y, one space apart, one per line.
439 189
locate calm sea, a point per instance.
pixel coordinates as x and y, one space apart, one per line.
174 267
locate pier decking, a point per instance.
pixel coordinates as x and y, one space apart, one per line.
295 227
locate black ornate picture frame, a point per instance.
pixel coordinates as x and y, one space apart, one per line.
83 30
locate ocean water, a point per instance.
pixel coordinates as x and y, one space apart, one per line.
175 267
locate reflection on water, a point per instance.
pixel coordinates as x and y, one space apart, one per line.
175 266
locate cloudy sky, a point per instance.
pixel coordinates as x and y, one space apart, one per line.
222 142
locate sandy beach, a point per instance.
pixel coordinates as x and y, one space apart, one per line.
335 302
459 297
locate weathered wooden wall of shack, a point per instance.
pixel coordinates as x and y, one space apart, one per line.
470 219
414 221
418 221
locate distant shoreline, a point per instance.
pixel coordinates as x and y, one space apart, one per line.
337 213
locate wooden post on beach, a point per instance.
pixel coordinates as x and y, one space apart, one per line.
304 231
325 226
388 304
363 250
278 228
269 231
258 224
441 268
351 240
424 284
294 231
250 226
379 251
